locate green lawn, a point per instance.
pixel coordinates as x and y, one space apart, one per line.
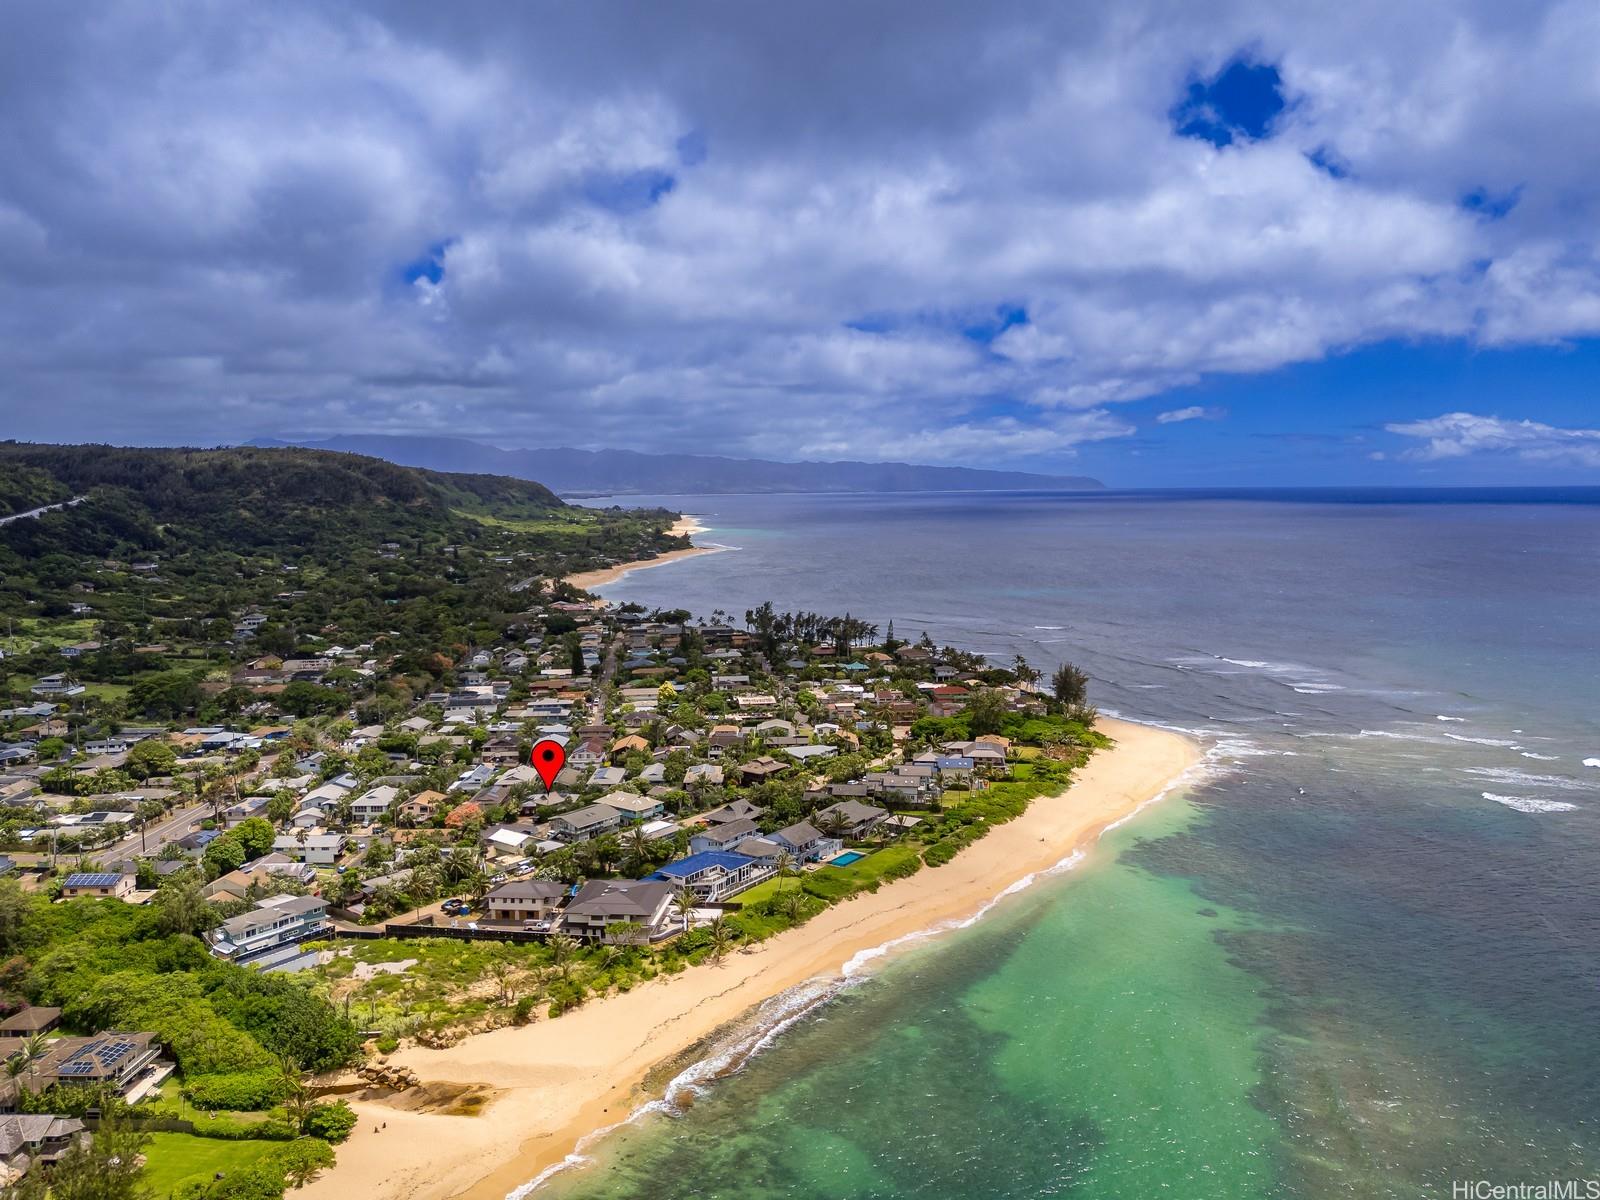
173 1159
835 882
171 1102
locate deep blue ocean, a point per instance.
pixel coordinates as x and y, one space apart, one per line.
1360 957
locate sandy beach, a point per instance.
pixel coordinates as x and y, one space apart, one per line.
684 527
556 1081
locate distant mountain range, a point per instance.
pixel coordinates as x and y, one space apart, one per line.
626 472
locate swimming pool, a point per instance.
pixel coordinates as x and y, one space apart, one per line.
845 859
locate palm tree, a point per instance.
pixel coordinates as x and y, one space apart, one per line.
637 850
562 950
31 1049
685 901
786 867
833 824
723 937
298 1099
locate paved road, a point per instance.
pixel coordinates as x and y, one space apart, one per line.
169 828
34 512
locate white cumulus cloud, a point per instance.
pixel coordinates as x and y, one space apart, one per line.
1458 434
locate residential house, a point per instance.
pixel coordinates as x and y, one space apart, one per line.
734 810
585 823
369 807
37 1018
274 923
759 770
113 1057
601 904
421 808
608 777
708 774
722 739
525 900
590 752
313 849
723 836
28 1140
113 884
852 818
806 842
714 876
633 806
508 840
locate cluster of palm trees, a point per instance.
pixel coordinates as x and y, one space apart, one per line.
773 629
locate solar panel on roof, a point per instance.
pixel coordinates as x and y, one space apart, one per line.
92 879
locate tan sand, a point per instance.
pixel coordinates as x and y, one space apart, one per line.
684 527
559 1080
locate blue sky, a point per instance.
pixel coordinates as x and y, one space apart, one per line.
1157 242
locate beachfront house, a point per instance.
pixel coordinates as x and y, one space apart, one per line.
525 900
714 876
271 925
806 842
853 819
601 904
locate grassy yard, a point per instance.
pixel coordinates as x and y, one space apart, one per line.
173 1159
171 1102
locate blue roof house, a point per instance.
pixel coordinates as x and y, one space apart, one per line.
714 875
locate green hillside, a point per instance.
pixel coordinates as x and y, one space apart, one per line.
174 546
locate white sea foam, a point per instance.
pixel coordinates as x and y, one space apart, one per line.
1502 743
1541 757
1442 717
1524 779
1591 762
1052 628
1530 804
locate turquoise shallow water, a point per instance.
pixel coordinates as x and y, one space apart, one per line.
1088 1034
1361 959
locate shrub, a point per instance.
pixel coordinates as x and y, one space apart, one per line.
523 1013
939 853
388 1044
239 1090
330 1122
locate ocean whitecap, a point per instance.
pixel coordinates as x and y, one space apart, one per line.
1530 804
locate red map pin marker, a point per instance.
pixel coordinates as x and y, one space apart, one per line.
549 756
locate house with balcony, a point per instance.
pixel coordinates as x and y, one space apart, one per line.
274 923
714 876
602 904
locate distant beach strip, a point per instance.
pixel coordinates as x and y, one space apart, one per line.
683 527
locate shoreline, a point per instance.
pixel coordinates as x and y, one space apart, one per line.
558 1083
682 527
